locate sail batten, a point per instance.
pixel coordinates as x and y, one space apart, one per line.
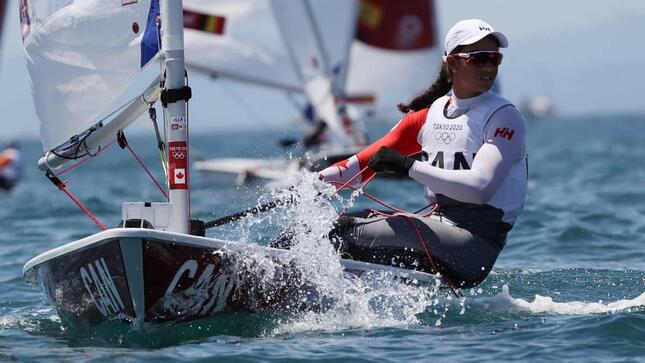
81 56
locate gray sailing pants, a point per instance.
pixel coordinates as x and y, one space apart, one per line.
460 256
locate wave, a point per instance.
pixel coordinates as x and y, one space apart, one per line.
546 305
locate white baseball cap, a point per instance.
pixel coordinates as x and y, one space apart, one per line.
471 31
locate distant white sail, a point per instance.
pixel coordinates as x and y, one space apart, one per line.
82 55
237 39
336 22
298 26
399 39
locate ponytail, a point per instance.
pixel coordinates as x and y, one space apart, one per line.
439 88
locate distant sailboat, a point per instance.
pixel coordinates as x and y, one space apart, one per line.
157 268
291 44
538 107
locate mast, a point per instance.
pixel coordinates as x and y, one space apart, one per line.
174 98
303 42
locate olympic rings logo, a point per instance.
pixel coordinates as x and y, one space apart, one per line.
444 137
178 155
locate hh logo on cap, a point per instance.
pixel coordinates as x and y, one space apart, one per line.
484 28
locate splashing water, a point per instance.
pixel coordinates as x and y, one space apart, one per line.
376 299
343 301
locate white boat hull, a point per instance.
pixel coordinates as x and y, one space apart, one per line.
243 169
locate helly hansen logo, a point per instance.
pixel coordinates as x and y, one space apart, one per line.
482 28
504 132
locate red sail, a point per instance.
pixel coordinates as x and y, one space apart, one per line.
208 23
397 25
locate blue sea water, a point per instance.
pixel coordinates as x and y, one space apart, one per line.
569 286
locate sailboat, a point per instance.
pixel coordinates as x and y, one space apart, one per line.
351 39
157 268
292 53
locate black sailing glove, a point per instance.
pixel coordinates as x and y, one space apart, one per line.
390 161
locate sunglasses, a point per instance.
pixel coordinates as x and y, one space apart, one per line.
481 58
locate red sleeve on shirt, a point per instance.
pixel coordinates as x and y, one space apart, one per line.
402 138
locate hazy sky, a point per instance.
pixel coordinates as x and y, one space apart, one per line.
564 72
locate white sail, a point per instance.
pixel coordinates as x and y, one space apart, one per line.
245 45
401 76
336 22
399 39
304 40
80 60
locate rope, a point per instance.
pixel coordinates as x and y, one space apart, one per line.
84 160
101 226
405 215
424 243
146 170
123 143
63 187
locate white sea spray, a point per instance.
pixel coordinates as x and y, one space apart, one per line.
344 301
504 301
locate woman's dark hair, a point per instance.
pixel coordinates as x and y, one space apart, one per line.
439 88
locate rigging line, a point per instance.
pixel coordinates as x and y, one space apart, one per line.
96 221
424 243
377 200
123 142
152 113
343 186
88 158
363 192
164 157
360 172
405 215
435 207
186 108
162 154
63 187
